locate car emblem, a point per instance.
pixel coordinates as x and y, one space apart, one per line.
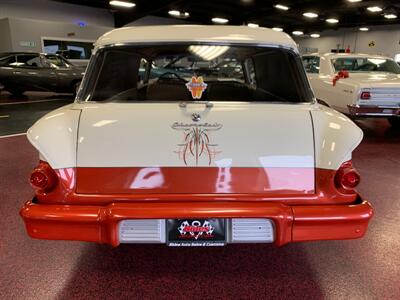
196 144
196 87
196 117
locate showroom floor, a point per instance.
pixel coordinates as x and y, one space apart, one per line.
361 269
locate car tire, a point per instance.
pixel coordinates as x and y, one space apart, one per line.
394 122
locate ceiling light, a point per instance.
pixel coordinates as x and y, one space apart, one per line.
332 20
315 35
122 3
390 16
208 52
178 14
174 13
374 9
297 32
310 15
354 1
364 29
253 25
220 20
277 29
282 7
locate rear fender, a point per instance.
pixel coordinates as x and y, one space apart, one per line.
55 137
335 135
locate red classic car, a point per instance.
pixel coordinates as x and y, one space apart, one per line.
195 136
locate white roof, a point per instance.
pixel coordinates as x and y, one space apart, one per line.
196 33
337 55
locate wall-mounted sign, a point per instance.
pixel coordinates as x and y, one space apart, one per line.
30 44
371 44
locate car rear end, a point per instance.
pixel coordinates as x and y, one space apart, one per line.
377 80
225 155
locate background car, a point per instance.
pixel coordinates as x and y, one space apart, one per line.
358 85
21 72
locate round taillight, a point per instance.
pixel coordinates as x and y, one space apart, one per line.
365 96
347 177
43 178
39 179
350 179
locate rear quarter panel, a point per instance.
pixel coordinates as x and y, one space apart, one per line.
335 135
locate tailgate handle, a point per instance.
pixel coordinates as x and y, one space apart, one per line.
184 104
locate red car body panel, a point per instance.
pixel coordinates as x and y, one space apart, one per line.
329 213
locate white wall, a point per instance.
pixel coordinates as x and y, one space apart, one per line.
26 22
25 30
5 37
46 10
385 38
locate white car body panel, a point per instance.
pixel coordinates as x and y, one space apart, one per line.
55 137
336 136
384 87
140 135
197 34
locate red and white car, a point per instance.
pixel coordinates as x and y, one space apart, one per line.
195 136
359 85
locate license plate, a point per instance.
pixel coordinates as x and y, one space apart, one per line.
196 232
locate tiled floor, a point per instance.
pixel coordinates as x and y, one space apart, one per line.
368 268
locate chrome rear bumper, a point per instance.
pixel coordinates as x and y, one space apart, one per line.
373 111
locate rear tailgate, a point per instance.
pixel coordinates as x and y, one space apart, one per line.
144 148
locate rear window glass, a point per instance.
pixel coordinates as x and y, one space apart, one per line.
7 60
196 72
311 64
366 64
57 61
28 60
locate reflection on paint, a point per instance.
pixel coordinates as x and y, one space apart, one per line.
148 178
67 177
55 115
291 161
334 125
224 176
104 123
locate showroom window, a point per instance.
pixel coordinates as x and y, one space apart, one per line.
68 49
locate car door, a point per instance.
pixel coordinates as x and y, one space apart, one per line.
64 72
32 74
8 77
